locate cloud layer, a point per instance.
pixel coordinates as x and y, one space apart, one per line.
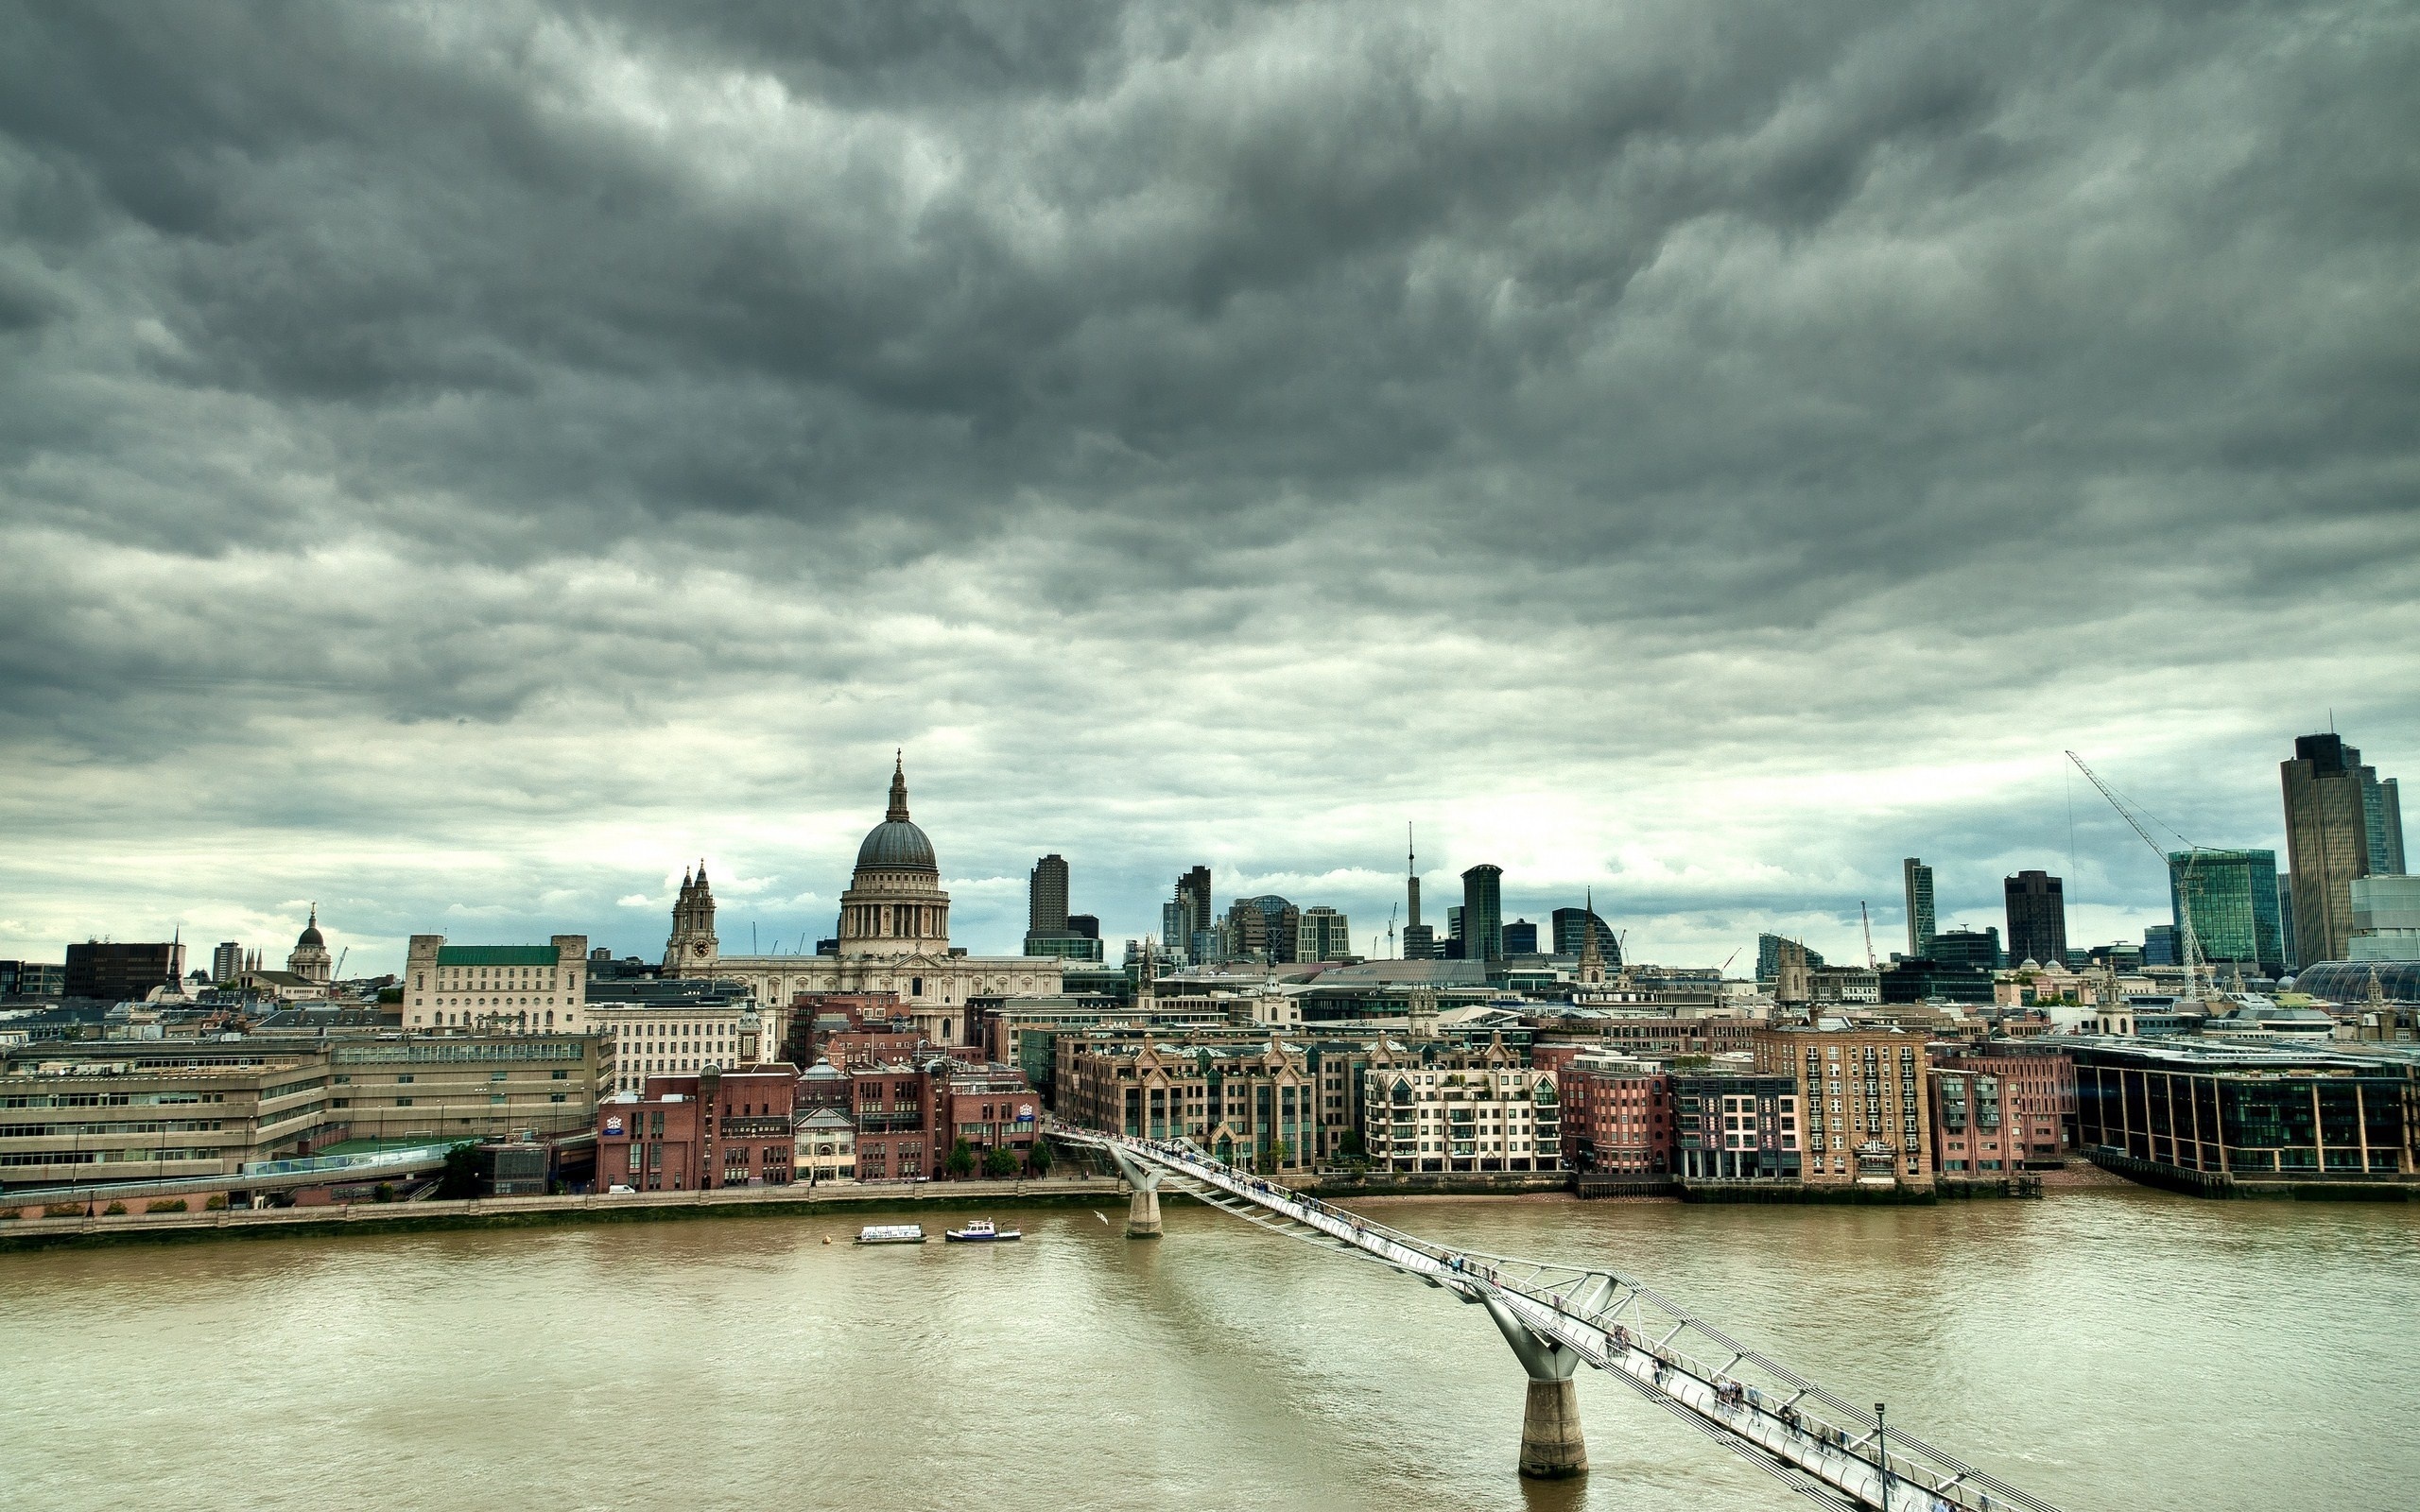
460 463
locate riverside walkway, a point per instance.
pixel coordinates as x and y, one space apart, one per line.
1557 1317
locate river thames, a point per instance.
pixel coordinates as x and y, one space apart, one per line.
2116 1349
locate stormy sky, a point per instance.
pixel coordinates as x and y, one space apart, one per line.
460 463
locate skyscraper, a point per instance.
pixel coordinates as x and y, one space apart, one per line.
2286 919
2340 823
1045 910
1193 889
1050 930
1918 878
2037 918
1520 937
2233 899
227 961
1483 912
1321 934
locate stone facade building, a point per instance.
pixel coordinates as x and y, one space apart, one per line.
1243 1104
309 959
894 937
497 988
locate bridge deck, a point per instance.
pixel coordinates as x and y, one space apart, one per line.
1814 1441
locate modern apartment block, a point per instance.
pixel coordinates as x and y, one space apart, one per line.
1738 1128
1441 1108
1916 879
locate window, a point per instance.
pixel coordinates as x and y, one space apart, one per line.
403 1080
402 1102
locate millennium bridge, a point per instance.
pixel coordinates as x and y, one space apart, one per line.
1558 1317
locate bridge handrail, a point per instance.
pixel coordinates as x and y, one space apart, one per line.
1911 1464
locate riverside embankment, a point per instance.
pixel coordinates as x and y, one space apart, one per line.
510 1212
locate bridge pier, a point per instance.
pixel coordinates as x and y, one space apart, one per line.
1552 1448
1143 1208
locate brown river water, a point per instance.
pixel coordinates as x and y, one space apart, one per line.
2119 1350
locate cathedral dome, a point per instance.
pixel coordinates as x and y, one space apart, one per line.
310 935
896 844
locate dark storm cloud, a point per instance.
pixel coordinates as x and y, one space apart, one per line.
438 426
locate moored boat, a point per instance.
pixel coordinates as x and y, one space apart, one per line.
892 1233
981 1231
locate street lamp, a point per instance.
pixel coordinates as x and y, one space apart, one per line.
1882 1455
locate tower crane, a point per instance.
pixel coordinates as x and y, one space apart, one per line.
1391 930
1867 919
2189 943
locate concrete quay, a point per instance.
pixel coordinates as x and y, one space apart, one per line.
504 1213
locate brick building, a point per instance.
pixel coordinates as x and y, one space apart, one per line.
990 1106
2036 1087
1617 1115
1862 1094
710 1130
898 1134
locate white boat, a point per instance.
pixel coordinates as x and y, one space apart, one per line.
892 1233
981 1231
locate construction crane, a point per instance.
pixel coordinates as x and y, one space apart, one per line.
1718 970
339 972
1867 919
2189 942
1391 930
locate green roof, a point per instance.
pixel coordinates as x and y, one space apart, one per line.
497 955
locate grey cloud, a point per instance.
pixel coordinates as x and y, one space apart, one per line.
558 434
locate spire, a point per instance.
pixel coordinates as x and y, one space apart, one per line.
898 811
1592 960
702 871
314 917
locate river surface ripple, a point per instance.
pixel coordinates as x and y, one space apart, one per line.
2115 1349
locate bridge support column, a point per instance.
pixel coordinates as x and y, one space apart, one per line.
1551 1444
1143 1208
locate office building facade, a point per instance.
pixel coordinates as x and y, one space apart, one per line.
1572 926
1916 878
1483 912
115 972
2231 899
2037 918
2341 822
1321 934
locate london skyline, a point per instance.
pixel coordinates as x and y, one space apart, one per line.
460 468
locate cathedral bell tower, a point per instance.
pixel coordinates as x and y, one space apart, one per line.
693 947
